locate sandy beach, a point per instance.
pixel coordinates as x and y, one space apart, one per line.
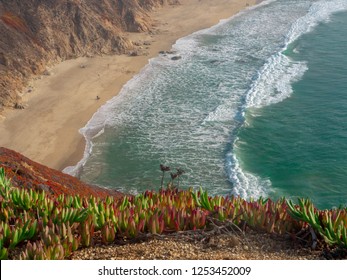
62 102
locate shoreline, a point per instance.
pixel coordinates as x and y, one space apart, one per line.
60 104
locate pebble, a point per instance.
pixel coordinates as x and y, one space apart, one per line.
173 249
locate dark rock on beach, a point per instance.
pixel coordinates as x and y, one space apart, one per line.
176 57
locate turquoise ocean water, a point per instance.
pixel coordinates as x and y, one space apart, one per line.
257 105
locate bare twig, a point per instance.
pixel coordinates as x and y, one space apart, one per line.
314 238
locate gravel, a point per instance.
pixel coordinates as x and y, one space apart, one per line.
253 246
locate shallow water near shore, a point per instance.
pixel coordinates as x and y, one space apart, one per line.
243 111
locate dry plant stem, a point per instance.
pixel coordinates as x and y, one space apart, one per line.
199 235
216 227
314 238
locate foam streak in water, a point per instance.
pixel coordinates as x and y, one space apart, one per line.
273 84
274 80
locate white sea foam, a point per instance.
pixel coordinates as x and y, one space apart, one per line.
246 185
189 132
274 80
273 84
102 117
117 112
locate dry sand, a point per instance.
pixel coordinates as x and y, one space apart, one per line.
61 103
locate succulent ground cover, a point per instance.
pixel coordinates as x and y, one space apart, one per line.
38 225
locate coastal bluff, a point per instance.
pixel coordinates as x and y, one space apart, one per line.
28 174
36 34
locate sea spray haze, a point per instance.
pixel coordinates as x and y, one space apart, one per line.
198 112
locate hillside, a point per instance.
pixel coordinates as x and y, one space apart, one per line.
28 174
45 214
36 34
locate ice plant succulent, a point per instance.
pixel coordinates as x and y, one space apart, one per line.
48 227
108 233
3 250
329 224
86 230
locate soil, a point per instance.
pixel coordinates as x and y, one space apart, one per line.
251 246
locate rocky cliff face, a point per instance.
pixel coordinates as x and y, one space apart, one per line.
37 33
26 173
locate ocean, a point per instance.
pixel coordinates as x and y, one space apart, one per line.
255 106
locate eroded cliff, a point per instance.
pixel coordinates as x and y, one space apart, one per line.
37 33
